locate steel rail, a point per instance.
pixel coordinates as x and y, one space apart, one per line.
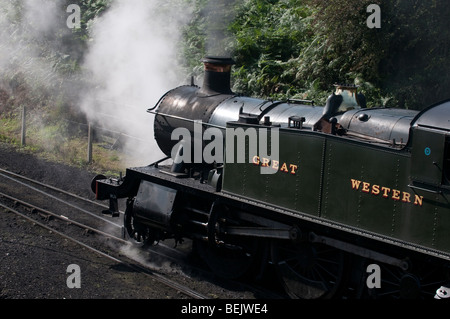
60 200
56 189
160 278
62 217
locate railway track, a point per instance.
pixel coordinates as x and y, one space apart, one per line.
160 278
79 216
34 213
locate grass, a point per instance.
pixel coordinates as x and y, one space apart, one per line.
51 142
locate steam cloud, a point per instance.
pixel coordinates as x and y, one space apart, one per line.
133 58
219 14
133 62
27 35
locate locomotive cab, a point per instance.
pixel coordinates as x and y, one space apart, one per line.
430 149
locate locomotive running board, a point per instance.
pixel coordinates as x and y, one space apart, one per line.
258 232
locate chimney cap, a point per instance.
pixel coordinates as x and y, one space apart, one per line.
218 60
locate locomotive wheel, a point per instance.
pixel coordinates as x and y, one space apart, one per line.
229 262
135 232
228 257
419 283
308 270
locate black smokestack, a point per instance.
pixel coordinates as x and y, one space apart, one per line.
217 75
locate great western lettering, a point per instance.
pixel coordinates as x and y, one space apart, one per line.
386 192
275 165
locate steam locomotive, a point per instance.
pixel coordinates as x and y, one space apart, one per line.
348 201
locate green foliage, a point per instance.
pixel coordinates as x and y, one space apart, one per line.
416 67
90 10
269 37
404 63
300 48
344 49
194 38
282 48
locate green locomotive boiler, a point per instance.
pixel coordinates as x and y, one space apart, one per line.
323 194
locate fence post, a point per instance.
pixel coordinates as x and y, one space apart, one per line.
90 138
24 129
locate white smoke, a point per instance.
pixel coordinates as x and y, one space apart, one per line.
219 13
42 16
133 58
27 36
